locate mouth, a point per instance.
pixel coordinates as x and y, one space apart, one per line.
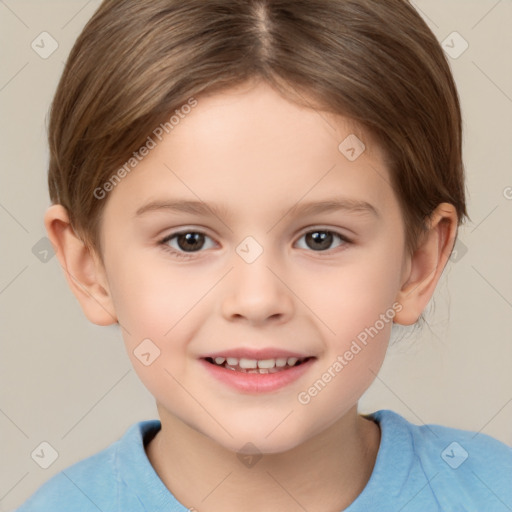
257 371
258 366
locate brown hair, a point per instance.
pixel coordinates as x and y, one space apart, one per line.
374 61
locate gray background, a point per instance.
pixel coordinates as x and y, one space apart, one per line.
70 383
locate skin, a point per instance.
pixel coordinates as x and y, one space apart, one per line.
258 154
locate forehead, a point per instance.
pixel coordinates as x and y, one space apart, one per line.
249 147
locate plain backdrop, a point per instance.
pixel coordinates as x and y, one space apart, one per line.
69 383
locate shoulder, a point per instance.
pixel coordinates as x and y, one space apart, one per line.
460 466
92 484
87 485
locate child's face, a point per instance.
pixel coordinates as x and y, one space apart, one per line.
257 156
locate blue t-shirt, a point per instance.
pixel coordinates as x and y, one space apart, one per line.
418 468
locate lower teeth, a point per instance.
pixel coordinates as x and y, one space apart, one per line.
255 370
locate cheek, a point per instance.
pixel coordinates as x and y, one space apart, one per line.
150 299
356 306
362 325
154 308
353 297
159 311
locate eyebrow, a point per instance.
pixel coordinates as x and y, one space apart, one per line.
310 208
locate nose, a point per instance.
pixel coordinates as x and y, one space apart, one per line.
257 293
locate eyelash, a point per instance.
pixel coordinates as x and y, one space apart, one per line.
184 255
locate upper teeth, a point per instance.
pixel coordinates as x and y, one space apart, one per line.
257 363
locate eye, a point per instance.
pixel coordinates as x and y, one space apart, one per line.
321 240
184 242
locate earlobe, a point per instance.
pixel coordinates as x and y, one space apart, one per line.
83 269
427 263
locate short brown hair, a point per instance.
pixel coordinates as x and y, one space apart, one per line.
373 61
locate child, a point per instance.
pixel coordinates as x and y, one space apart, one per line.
308 153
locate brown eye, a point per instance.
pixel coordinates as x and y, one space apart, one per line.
322 240
185 243
190 241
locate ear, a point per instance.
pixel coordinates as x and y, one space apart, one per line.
426 264
82 267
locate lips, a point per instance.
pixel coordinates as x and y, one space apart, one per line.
257 371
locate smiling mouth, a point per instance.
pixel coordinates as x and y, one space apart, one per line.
261 366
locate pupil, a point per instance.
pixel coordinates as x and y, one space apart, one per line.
191 240
324 238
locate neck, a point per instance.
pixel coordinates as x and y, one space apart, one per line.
326 472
